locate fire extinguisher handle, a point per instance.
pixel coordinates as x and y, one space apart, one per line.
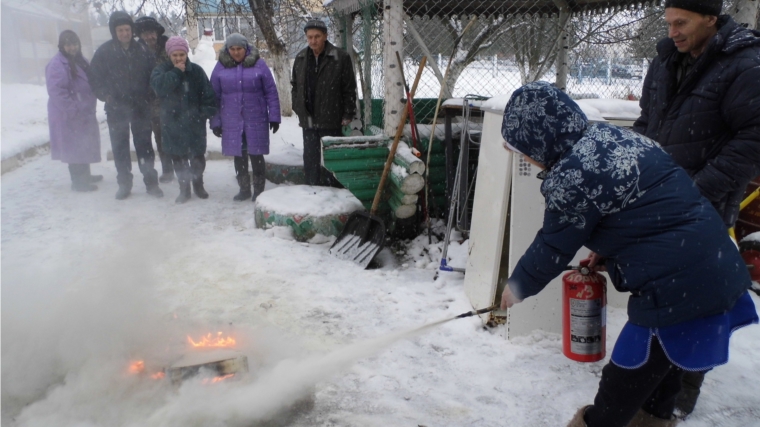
583 269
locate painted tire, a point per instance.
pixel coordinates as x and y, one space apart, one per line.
279 174
304 227
307 210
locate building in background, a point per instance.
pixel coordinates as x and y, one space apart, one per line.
224 17
30 30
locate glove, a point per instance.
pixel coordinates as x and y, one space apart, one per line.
217 131
274 127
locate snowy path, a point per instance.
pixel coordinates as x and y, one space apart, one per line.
90 283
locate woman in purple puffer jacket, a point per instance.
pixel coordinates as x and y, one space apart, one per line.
74 131
249 109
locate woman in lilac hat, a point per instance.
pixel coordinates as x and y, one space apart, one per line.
187 101
249 109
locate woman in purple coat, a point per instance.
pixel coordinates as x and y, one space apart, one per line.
249 109
74 132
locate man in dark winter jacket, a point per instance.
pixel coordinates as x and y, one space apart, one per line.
151 34
324 95
701 102
120 76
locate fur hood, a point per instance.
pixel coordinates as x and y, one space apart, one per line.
249 61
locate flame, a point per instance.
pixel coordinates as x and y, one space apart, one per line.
210 341
137 367
158 375
217 379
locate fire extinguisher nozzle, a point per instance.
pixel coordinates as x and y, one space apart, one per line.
476 312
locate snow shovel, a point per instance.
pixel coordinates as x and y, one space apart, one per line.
364 234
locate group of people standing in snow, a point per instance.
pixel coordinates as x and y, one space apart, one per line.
653 203
149 86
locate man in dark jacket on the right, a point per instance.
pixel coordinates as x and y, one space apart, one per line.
324 95
120 76
701 102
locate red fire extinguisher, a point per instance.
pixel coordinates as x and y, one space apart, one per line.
584 315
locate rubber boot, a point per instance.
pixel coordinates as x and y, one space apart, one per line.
198 188
258 186
184 190
642 419
578 420
244 180
687 398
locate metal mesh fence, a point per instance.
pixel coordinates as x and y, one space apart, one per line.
490 48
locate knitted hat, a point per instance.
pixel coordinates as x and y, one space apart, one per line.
705 7
176 43
119 18
236 39
315 24
148 23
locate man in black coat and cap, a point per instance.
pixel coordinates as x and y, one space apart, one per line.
151 34
701 102
323 94
120 76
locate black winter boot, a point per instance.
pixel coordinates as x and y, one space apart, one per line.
244 181
155 191
91 177
80 181
167 169
184 191
150 178
124 191
687 398
258 186
197 167
198 188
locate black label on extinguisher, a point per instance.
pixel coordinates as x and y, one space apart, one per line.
586 321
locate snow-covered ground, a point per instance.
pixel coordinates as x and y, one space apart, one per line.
90 284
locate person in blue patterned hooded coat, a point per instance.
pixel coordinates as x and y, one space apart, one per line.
619 194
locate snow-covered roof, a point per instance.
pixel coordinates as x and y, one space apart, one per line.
35 8
597 110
